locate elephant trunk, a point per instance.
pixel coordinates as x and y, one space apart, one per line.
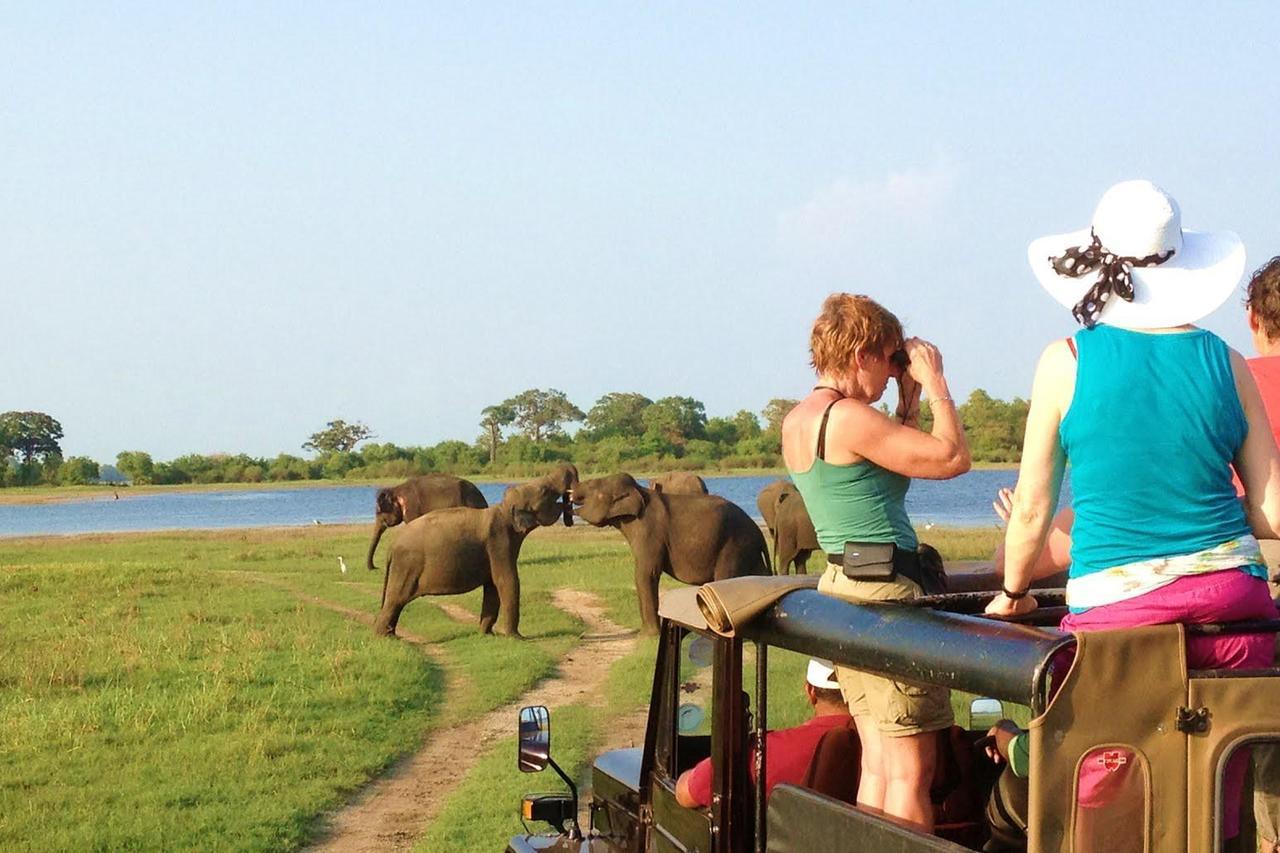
386 576
378 527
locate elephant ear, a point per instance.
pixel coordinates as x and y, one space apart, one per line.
630 503
383 502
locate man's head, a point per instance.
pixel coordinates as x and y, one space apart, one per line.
1262 307
822 688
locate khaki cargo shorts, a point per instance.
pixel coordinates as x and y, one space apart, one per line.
898 708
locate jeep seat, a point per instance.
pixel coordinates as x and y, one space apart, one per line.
836 767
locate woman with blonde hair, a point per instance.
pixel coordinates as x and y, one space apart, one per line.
853 465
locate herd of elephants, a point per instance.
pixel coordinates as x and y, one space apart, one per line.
454 542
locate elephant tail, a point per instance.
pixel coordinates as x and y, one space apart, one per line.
386 575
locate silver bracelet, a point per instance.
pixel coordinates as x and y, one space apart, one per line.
942 400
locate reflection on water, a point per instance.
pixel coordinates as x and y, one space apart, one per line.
964 501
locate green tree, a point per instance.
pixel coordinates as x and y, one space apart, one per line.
77 471
747 423
287 467
774 411
676 420
33 434
618 413
338 436
542 414
994 427
136 465
492 420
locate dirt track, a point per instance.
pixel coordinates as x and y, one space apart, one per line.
393 811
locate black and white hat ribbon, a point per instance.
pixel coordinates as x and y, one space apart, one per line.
1114 275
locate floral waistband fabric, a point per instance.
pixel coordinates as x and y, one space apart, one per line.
1120 583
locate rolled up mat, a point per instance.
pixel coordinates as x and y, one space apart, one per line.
729 603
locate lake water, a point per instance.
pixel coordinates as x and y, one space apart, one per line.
964 501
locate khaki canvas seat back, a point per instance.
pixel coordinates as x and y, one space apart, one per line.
1114 719
1232 711
835 769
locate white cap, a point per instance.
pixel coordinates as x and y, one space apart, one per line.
822 674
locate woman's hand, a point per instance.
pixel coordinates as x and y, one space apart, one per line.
1003 605
1001 734
926 364
1003 504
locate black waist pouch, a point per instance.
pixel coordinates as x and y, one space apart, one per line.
884 561
869 561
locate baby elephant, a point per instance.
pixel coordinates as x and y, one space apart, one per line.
451 551
679 483
693 538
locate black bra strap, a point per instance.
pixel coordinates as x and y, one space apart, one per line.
822 430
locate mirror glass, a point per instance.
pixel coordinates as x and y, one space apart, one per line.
689 717
535 739
984 713
701 651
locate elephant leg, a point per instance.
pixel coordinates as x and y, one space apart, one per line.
802 561
785 555
647 594
508 586
399 592
489 609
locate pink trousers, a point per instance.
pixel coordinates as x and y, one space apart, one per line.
1227 596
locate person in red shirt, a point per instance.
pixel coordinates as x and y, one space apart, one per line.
788 751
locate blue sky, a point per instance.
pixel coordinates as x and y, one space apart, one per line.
222 225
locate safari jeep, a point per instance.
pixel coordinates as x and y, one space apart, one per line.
1123 701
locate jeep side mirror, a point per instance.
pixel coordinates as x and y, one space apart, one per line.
535 739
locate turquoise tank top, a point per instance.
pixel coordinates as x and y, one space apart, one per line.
861 502
1152 428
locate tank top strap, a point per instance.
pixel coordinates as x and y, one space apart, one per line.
822 430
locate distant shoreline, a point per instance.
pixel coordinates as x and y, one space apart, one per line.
29 495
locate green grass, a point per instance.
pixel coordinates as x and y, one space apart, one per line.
172 690
180 690
151 706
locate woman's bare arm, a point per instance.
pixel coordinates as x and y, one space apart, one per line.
1039 476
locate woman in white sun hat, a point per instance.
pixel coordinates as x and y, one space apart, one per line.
1152 412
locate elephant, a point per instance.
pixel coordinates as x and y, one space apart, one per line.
790 527
455 550
419 496
679 483
693 538
767 501
794 538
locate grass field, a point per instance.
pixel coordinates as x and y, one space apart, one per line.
208 690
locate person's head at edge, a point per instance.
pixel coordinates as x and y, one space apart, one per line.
822 690
852 346
825 698
1262 307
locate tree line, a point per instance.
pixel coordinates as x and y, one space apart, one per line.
517 437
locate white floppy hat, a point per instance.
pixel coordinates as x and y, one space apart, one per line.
822 674
1136 267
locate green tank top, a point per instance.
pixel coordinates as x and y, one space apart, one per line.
861 502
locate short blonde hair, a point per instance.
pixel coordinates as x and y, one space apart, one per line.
850 324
